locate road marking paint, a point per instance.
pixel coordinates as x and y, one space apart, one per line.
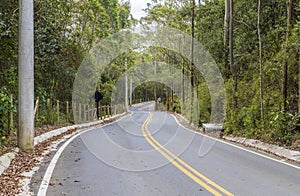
180 164
239 147
48 174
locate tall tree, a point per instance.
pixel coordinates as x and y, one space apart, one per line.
233 67
285 65
226 35
260 62
192 60
182 85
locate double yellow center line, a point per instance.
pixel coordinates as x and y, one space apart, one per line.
181 165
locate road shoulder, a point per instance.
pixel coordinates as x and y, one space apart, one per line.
285 154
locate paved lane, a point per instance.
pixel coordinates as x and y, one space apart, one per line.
148 153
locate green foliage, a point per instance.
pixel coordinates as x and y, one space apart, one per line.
64 32
6 107
245 120
204 102
283 126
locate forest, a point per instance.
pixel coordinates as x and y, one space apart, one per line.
255 43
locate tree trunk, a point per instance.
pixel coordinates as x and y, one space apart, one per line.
155 95
182 86
174 59
299 83
126 86
232 66
285 65
260 62
226 37
192 61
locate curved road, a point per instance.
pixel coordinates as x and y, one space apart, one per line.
149 153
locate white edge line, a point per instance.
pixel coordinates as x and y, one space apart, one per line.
239 147
48 174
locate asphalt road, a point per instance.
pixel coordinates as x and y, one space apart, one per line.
149 153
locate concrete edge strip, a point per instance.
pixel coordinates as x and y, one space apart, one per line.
6 158
277 150
239 147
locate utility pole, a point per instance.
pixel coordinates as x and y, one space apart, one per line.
26 77
126 86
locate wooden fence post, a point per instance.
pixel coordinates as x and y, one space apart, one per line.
79 113
57 111
36 108
67 110
94 114
107 111
11 116
91 113
74 108
100 111
88 112
84 112
48 110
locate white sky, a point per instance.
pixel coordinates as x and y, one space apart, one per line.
137 6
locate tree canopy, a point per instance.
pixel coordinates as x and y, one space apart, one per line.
257 53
